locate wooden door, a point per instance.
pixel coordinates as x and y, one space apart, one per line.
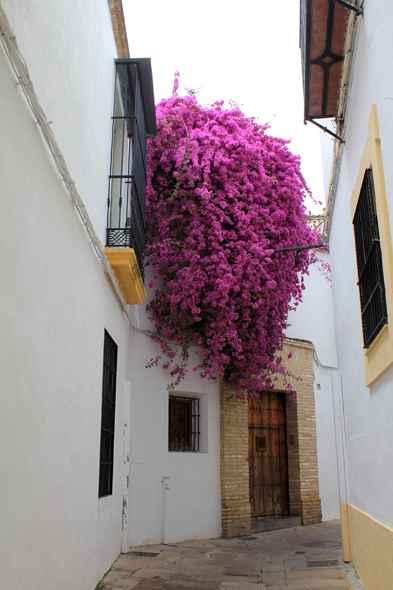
268 459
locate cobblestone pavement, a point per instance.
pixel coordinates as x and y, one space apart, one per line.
302 558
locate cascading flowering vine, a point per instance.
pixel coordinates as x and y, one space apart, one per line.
222 194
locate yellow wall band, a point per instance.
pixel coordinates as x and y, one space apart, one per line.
346 539
371 549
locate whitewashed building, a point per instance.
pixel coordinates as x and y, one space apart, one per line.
89 463
86 470
348 77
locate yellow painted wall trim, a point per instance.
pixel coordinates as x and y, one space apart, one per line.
372 549
346 539
379 356
126 269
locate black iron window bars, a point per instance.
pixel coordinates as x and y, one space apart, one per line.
184 419
369 262
127 179
108 416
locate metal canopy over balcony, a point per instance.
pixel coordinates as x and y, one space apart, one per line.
323 28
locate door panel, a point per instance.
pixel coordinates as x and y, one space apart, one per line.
268 455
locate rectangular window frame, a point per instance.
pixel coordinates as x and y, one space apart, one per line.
378 357
369 262
108 414
184 421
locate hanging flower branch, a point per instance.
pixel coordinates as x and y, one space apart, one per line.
222 195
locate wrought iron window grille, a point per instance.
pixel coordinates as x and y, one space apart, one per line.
184 424
369 262
127 179
108 416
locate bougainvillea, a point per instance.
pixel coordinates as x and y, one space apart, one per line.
222 195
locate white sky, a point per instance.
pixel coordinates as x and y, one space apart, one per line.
246 50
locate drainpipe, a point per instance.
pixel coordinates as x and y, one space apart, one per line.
339 426
165 527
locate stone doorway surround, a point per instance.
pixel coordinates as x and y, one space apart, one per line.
303 485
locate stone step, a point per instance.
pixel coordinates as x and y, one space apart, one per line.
260 525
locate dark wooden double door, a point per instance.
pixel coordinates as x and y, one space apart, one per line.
268 457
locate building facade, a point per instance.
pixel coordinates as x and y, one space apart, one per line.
356 38
84 426
96 454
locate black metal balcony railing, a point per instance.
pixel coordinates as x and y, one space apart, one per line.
127 179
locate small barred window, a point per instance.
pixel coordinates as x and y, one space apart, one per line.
184 419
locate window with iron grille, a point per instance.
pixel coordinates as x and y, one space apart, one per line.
184 423
107 416
369 262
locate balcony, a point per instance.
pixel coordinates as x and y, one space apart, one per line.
133 120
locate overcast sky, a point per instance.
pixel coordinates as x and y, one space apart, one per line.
246 50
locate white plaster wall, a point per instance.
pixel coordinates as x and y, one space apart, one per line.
313 321
53 314
368 411
54 305
70 51
327 143
313 318
194 498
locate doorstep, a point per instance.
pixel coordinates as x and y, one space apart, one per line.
260 525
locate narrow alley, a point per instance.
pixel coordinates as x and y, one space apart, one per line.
301 558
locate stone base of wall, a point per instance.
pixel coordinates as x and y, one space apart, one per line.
233 524
312 511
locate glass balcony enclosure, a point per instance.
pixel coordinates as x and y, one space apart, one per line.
133 119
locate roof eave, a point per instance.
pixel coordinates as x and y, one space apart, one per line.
323 33
119 28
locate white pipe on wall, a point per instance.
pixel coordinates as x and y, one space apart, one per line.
165 482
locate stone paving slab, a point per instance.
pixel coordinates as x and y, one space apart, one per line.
274 560
273 578
240 580
244 586
328 573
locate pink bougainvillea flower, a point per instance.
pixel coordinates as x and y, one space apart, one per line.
222 195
